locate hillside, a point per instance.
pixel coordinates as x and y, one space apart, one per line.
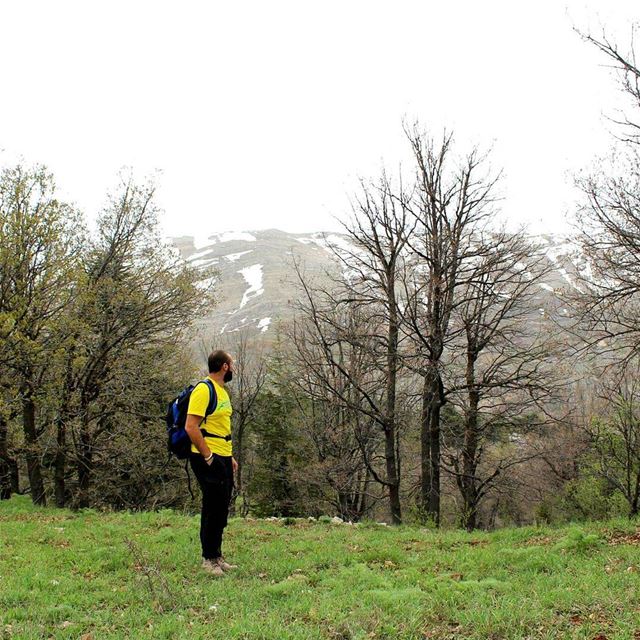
119 575
256 283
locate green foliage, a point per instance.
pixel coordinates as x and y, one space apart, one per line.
596 493
579 541
273 485
591 498
40 247
93 333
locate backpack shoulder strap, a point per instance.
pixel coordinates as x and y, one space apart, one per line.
213 398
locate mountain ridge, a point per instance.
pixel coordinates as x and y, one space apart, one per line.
255 279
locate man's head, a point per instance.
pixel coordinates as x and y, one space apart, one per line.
221 361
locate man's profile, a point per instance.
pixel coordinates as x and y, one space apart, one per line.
209 427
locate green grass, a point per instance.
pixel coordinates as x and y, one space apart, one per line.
97 575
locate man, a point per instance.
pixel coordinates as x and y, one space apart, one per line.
212 458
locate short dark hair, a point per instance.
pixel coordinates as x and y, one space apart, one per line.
217 359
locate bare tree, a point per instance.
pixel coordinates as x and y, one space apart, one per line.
609 227
452 201
345 439
609 222
504 362
251 376
373 268
628 70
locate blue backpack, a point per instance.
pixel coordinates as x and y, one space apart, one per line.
179 442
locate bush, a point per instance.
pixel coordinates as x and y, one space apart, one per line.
579 541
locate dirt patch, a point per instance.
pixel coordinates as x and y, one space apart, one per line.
62 544
539 541
478 543
625 538
36 518
458 544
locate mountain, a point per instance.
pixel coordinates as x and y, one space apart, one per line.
254 274
255 279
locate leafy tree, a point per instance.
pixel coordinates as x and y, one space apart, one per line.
138 296
40 242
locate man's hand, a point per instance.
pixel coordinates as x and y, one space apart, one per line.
192 427
234 464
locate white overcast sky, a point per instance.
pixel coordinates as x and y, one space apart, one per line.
263 114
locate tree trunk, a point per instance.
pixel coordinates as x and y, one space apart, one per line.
32 450
64 417
391 453
60 462
635 501
470 447
6 488
238 454
392 477
469 450
434 462
14 471
430 443
425 446
363 504
84 465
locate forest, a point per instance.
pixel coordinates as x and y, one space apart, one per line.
416 383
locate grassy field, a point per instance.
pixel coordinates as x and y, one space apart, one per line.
92 575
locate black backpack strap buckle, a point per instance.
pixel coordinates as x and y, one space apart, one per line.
206 434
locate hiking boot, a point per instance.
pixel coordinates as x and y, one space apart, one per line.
212 567
225 566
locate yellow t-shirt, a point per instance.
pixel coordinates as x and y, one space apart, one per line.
219 422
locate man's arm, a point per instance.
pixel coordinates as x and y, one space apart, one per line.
192 427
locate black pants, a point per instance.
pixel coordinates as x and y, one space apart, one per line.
216 483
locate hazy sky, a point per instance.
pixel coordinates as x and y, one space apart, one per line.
263 114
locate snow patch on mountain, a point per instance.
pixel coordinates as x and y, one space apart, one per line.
200 242
228 236
328 241
253 277
203 262
198 255
567 277
521 266
566 248
232 257
263 325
